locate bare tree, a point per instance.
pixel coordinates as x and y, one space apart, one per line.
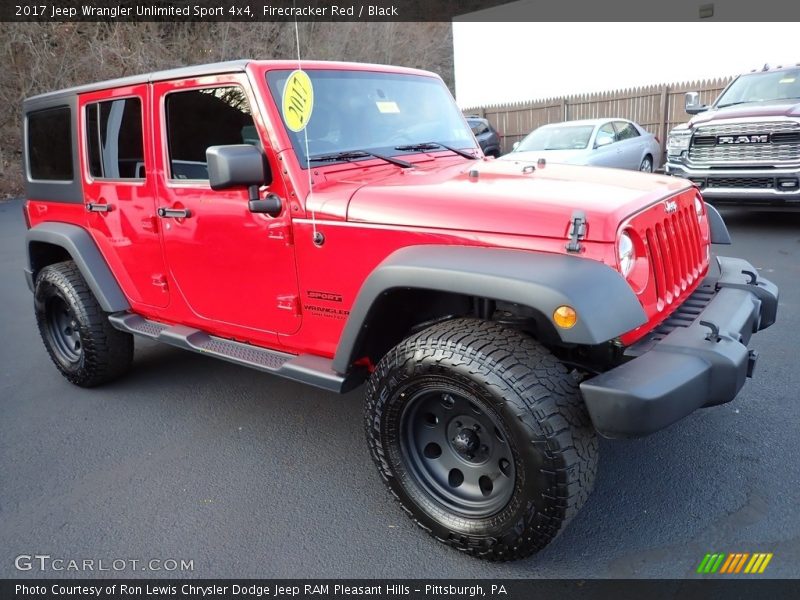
41 57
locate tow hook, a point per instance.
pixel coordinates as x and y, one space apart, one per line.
713 335
753 277
752 357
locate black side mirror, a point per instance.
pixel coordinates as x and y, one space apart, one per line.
270 205
237 165
242 165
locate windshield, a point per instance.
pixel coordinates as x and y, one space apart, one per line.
374 112
557 137
761 87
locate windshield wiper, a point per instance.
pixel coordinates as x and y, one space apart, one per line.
354 154
735 103
432 145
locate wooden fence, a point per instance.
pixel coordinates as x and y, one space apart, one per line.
657 108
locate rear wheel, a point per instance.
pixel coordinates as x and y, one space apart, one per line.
79 339
647 164
481 435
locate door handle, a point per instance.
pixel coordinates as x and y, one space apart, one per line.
97 207
174 213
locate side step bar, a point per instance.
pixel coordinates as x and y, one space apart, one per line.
305 368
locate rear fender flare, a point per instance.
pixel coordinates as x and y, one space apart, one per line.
79 245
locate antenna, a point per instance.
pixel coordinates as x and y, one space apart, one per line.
316 236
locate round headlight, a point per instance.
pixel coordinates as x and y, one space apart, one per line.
698 206
626 254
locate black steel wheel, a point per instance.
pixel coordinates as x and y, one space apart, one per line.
482 436
456 449
63 330
79 339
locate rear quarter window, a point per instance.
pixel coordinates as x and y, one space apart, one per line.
50 144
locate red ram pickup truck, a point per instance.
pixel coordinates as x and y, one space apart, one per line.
338 224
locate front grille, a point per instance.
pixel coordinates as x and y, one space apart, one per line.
683 316
748 128
676 253
741 182
686 313
783 145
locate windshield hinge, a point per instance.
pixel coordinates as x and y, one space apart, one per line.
577 231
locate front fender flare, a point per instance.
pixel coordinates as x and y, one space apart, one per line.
606 305
80 246
716 224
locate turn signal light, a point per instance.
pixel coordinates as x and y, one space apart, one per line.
565 316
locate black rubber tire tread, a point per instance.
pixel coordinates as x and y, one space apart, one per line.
535 396
107 353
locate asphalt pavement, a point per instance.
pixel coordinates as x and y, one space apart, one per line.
247 475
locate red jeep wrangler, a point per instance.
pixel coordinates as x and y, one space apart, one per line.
338 225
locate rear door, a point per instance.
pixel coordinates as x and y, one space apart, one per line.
231 266
119 189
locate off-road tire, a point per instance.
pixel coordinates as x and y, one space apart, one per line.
98 353
522 387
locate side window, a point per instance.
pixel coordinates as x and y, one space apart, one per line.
198 119
605 135
114 140
479 127
625 130
50 144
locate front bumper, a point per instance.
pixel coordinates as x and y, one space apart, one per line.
698 357
743 186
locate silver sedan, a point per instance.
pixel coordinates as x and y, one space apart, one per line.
598 142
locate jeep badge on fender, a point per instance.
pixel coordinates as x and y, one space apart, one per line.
500 314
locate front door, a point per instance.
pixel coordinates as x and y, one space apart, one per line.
119 187
606 148
231 267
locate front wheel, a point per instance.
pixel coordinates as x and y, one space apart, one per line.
481 435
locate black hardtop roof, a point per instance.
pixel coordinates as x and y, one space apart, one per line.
231 66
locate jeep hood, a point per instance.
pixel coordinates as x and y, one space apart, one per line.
508 197
571 157
771 108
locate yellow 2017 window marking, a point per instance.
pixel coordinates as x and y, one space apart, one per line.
298 100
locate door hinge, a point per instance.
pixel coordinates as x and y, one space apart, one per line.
160 281
289 303
150 224
281 231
